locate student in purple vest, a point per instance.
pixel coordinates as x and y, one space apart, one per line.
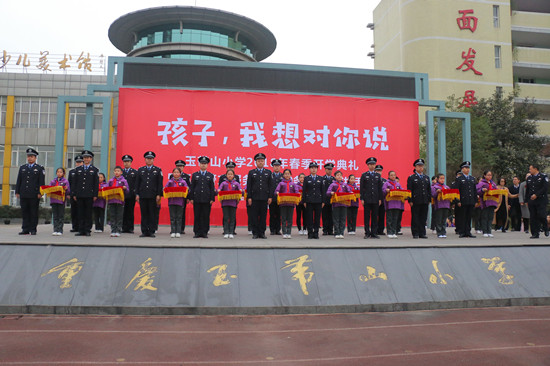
442 208
229 206
176 205
287 208
353 207
58 206
116 206
339 209
393 208
487 205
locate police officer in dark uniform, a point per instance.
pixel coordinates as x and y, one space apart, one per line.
84 191
328 178
537 195
458 214
29 179
148 193
223 178
466 184
382 208
420 186
203 194
371 198
74 204
313 196
130 174
274 209
259 195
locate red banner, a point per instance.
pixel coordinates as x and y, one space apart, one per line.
297 129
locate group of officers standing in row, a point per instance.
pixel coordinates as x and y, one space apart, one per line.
146 187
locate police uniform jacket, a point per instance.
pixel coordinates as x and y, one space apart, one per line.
327 181
70 177
86 182
29 180
421 188
466 184
258 185
276 178
131 178
538 184
371 187
202 188
149 182
313 189
223 178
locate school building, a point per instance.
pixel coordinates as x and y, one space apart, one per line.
470 48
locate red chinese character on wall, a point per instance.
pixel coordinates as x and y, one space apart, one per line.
469 61
467 21
469 99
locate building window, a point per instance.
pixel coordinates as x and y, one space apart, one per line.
77 118
526 81
35 112
3 108
499 90
498 63
496 16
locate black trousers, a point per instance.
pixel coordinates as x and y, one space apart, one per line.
201 211
148 208
371 218
58 213
274 217
128 215
287 212
74 215
301 217
99 217
515 217
313 218
381 219
85 209
419 216
352 218
466 219
29 213
328 223
537 213
249 217
339 214
183 216
458 219
229 219
258 214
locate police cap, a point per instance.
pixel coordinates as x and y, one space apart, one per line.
31 151
259 156
204 159
180 163
87 153
127 158
149 155
371 160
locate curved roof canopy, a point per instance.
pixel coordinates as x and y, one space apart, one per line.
124 31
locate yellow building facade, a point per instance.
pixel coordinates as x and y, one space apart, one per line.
469 48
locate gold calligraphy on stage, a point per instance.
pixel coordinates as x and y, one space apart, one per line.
221 276
144 277
371 275
67 271
300 271
505 279
439 277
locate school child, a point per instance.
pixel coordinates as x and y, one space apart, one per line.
176 204
353 207
300 210
229 206
339 209
58 205
488 203
442 208
287 206
99 206
394 208
116 204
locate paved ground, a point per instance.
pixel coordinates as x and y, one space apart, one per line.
488 336
8 235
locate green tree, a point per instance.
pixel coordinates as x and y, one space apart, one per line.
505 136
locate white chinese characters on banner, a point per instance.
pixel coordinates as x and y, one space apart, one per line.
286 136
